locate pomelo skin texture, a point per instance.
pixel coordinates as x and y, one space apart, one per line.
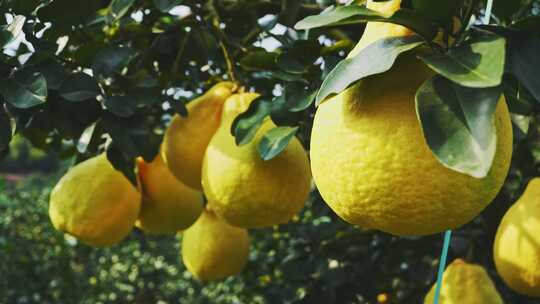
517 243
186 138
168 205
465 283
95 203
213 249
245 190
372 165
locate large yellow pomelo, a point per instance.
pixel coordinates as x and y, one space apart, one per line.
95 203
168 205
373 167
464 283
244 189
213 249
517 243
186 138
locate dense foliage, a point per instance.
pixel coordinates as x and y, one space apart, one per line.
91 75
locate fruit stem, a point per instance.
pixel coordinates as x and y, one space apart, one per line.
442 264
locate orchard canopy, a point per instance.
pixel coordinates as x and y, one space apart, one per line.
288 151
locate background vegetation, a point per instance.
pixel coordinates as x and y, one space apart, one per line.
146 62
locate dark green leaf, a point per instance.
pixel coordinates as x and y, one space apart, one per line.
245 125
298 58
122 106
53 72
121 163
376 58
9 32
118 8
298 97
5 129
259 60
531 24
458 124
519 100
440 11
274 141
353 14
25 90
79 87
524 62
112 59
505 9
166 5
477 63
72 12
290 64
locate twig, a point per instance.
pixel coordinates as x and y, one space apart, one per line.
216 22
181 48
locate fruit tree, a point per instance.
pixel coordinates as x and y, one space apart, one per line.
296 151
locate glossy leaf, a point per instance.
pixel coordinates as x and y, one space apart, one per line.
376 58
298 97
9 32
440 11
121 163
353 14
112 59
477 63
79 87
524 62
275 140
259 60
245 125
118 8
458 124
122 106
25 90
166 5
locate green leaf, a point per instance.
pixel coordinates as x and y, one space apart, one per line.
440 11
5 129
118 8
274 141
72 12
245 125
531 23
53 72
259 60
122 163
9 32
519 100
79 87
458 124
25 89
112 59
376 58
353 14
166 5
122 106
477 63
505 9
524 62
298 97
298 58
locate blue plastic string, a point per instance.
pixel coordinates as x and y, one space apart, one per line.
442 264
